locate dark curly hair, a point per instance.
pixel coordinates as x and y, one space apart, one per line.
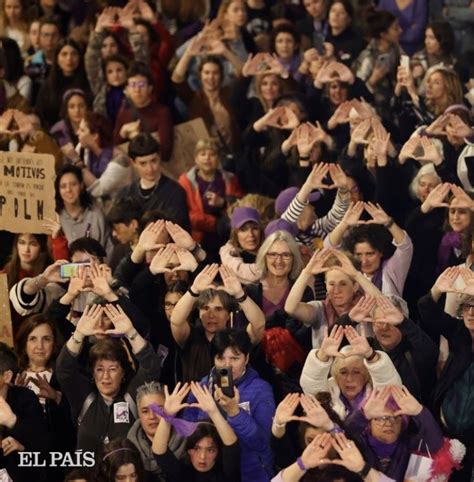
375 235
85 198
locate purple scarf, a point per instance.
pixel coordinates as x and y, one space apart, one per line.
356 403
182 427
381 449
449 243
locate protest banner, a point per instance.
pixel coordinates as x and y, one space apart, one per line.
6 330
26 191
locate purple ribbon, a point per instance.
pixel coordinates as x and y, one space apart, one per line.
182 427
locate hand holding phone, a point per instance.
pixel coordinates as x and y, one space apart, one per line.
225 381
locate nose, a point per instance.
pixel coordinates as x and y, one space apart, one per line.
202 455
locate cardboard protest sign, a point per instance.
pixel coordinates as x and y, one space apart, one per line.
185 137
26 191
6 330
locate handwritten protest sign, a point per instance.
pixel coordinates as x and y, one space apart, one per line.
6 331
26 191
186 136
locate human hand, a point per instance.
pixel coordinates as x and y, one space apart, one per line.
436 198
26 123
161 260
380 141
378 73
430 152
305 139
214 199
45 389
446 279
21 379
286 409
438 126
316 177
350 456
187 262
204 398
145 11
230 405
205 278
52 272
389 312
130 130
174 400
338 176
107 19
10 445
53 226
127 15
180 236
360 134
408 149
316 452
198 45
376 404
408 404
459 127
335 71
315 414
468 277
331 343
232 284
90 319
317 262
149 237
346 264
463 199
78 281
359 344
353 214
362 311
378 215
341 115
216 47
282 118
404 79
122 323
100 276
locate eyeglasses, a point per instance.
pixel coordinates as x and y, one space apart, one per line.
286 256
169 305
137 84
387 420
99 372
467 307
206 450
215 309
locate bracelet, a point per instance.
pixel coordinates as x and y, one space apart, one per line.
343 191
192 293
304 158
364 471
300 464
132 336
242 298
336 429
38 287
75 340
372 356
196 249
390 223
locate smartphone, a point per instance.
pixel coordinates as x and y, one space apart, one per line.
405 62
225 381
68 270
384 61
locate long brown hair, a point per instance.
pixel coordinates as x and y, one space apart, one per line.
453 87
13 267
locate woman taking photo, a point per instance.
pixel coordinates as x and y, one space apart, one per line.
67 72
113 380
231 348
77 214
240 252
212 451
13 22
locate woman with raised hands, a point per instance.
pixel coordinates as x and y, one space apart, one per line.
113 381
212 449
344 284
369 243
354 369
216 307
392 425
249 411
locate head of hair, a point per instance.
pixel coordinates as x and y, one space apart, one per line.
154 39
85 198
294 98
378 22
26 327
453 87
120 59
179 286
8 359
339 362
234 239
155 215
425 169
203 430
207 144
88 245
444 34
56 75
347 4
377 236
78 474
143 144
13 266
14 64
3 16
283 28
236 340
124 211
68 95
50 20
149 388
212 59
330 473
224 6
111 350
115 454
98 124
206 296
259 80
292 246
140 69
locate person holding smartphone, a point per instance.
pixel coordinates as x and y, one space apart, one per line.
250 411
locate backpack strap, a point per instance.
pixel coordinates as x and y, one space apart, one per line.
85 406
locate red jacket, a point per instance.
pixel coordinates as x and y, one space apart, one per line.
202 222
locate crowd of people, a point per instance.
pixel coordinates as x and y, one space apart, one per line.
297 303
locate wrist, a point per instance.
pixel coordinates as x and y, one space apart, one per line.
370 356
301 465
78 336
194 292
233 412
12 422
110 296
321 355
389 223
